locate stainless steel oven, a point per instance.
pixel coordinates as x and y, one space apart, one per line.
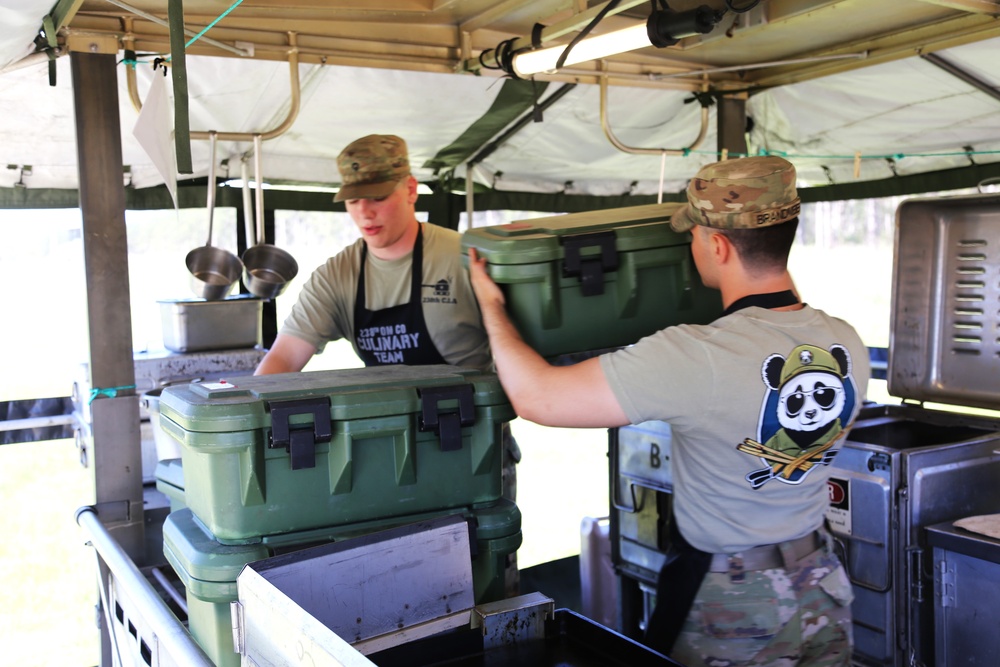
902 469
905 467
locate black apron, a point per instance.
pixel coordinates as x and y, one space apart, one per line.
398 334
685 566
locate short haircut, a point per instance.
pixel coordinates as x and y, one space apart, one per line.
764 249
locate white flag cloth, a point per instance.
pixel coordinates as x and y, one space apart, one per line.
154 132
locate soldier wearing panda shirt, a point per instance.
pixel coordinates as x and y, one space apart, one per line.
759 403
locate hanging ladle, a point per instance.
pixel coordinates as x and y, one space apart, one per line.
214 271
267 268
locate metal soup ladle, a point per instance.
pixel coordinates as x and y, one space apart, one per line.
214 271
267 268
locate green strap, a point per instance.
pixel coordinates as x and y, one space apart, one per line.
49 26
210 25
110 392
513 99
61 12
178 72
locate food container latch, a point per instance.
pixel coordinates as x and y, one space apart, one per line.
447 423
300 441
591 269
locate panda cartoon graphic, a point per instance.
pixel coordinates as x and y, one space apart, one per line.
810 397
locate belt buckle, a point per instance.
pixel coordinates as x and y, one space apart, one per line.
737 573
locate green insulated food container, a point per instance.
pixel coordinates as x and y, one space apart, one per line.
595 280
272 454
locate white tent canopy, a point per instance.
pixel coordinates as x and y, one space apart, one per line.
897 117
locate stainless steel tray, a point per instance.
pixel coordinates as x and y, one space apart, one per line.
192 325
945 331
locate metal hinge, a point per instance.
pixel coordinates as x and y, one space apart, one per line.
239 636
946 584
916 555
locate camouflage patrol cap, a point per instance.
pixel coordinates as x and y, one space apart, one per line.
370 167
744 193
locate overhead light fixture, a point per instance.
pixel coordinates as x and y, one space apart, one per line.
664 27
592 48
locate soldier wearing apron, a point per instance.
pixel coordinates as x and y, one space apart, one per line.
400 294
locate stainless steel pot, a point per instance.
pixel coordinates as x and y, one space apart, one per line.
214 271
267 269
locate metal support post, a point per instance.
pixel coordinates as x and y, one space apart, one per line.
731 124
116 458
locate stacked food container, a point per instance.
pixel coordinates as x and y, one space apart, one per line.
277 463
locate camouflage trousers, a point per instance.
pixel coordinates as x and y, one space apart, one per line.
797 615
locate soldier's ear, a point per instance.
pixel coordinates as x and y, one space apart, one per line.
718 243
411 189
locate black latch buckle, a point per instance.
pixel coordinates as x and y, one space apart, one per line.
589 269
447 423
300 440
879 461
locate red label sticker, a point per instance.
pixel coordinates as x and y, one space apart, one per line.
837 488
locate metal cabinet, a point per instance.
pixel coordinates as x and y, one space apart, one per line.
902 469
966 596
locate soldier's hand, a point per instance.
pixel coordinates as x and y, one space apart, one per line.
486 290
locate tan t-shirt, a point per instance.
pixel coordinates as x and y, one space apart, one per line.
325 309
757 409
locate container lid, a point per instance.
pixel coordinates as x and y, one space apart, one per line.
199 556
543 239
243 404
943 344
218 303
170 471
500 520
